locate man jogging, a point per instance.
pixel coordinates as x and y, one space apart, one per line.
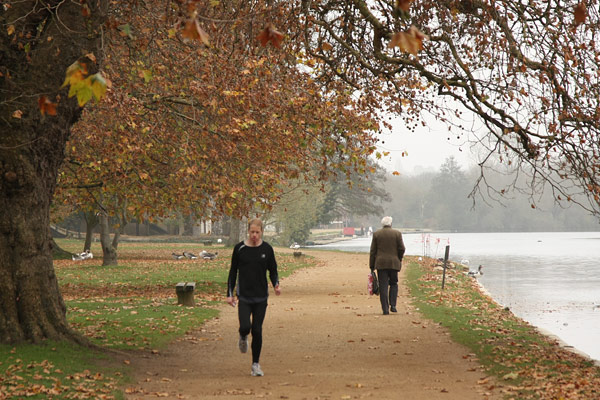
251 259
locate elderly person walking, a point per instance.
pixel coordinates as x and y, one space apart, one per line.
387 250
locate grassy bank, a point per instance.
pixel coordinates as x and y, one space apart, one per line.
124 308
525 363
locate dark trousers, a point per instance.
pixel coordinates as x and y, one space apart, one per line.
254 324
387 278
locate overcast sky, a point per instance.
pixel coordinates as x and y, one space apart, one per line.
425 149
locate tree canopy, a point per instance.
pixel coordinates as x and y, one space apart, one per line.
207 127
211 127
521 74
270 89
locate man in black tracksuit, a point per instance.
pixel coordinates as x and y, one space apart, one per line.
251 259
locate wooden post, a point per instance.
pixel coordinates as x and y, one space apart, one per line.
445 263
185 293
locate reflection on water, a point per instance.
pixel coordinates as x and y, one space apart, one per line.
551 280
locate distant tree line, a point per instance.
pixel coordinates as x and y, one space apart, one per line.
445 200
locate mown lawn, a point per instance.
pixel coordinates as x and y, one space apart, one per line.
133 307
128 307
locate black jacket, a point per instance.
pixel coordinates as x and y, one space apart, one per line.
251 265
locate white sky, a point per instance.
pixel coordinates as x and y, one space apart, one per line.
424 149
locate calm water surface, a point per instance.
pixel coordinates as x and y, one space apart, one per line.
551 280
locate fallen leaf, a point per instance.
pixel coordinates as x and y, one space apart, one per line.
46 106
510 376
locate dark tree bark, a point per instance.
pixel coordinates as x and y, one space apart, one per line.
109 249
91 222
234 232
47 38
59 253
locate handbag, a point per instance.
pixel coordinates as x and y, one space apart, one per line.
373 283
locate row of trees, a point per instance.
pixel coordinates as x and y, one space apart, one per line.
208 131
214 109
442 200
205 112
446 200
348 198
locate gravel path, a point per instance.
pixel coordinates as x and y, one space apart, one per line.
323 338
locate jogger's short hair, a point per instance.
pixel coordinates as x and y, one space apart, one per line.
257 222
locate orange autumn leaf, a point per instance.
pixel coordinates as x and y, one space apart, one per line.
270 34
403 5
326 46
410 41
193 31
85 9
46 106
580 13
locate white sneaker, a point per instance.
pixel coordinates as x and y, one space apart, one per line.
256 371
243 344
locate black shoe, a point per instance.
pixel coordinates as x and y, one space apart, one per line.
393 309
386 313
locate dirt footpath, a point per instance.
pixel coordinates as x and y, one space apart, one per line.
323 338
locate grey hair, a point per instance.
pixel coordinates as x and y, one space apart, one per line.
386 221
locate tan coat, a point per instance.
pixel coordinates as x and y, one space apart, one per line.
387 249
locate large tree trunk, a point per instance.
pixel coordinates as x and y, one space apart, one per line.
109 251
34 56
235 233
58 253
91 222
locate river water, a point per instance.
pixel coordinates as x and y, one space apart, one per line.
551 280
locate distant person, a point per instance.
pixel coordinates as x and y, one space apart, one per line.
251 259
387 251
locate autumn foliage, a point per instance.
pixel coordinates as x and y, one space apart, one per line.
231 85
515 78
212 118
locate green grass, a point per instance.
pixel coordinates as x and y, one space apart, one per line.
128 307
161 274
57 371
511 350
128 323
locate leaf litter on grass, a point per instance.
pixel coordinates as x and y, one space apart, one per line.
129 306
528 364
